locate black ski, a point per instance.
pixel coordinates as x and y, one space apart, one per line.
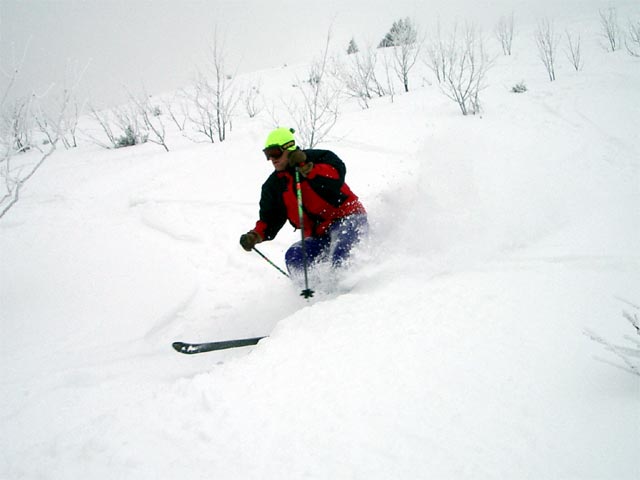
191 348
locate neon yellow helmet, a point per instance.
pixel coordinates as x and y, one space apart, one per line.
281 137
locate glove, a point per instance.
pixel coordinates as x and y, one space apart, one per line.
249 240
297 158
305 168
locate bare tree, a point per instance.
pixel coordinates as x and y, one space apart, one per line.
390 87
224 95
58 118
151 116
359 76
504 33
316 113
610 28
467 64
74 107
179 118
214 96
106 124
69 126
17 121
18 124
14 182
440 51
547 42
252 102
15 138
403 38
573 51
10 188
202 113
633 39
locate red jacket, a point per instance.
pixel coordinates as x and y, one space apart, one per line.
325 197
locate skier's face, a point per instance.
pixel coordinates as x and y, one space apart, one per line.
280 164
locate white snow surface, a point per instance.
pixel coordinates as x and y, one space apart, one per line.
452 348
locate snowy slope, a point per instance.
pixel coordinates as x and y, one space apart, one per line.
453 348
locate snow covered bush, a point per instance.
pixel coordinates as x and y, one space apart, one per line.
128 138
353 47
519 88
402 32
122 127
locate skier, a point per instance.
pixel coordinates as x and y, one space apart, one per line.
334 220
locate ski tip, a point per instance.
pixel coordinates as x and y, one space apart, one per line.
187 348
180 347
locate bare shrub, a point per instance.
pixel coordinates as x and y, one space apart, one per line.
390 88
252 103
122 126
315 111
463 65
573 50
440 51
504 33
547 42
19 120
18 124
151 116
633 38
359 76
69 137
213 98
177 109
201 112
403 38
628 354
610 29
57 117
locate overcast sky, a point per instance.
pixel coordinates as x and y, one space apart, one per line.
122 44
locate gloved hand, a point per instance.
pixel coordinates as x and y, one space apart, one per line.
249 240
297 158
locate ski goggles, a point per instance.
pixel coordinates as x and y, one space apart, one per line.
275 151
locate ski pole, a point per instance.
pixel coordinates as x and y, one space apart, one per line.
270 262
307 292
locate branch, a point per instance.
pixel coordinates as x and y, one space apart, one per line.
20 183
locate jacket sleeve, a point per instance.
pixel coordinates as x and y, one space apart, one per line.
326 177
273 213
